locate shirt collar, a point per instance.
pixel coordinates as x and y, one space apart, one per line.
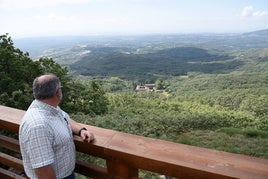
47 107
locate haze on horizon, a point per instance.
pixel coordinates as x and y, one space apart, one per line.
32 18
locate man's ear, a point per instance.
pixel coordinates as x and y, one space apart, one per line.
58 92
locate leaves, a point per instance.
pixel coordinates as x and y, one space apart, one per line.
18 71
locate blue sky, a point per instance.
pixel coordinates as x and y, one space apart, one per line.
29 18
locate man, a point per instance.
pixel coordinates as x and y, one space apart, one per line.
45 133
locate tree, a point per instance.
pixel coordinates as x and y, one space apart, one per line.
17 73
160 84
50 66
86 98
97 95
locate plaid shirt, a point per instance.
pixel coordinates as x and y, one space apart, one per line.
45 138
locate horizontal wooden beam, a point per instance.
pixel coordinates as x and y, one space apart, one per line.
10 118
9 143
91 170
10 161
5 174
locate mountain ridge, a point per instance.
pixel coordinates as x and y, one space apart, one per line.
148 56
263 32
172 61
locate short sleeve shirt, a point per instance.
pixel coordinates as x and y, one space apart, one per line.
45 138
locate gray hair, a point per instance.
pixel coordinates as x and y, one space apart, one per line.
46 87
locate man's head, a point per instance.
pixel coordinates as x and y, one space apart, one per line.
46 86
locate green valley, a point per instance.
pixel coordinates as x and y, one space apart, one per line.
212 89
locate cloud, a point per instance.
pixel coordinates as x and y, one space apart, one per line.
260 14
248 11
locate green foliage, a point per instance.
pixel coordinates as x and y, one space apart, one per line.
50 66
255 133
160 84
115 84
230 130
86 98
248 132
151 116
234 143
236 102
257 104
17 73
147 67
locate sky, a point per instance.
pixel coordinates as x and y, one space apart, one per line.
34 18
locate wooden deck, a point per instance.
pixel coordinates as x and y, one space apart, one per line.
125 154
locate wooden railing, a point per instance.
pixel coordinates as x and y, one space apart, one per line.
125 154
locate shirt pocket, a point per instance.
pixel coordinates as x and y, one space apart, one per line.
62 136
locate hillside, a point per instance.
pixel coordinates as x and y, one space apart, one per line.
262 33
147 57
225 88
171 61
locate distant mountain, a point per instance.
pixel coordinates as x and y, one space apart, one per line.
39 46
172 61
258 33
147 56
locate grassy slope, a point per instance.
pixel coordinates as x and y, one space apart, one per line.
198 107
235 143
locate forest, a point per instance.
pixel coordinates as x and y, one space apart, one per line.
174 61
205 96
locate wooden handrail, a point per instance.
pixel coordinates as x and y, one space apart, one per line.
125 154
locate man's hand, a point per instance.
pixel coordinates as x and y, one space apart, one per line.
87 136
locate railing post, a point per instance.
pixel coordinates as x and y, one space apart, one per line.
121 170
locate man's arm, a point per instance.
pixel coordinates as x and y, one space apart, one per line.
45 172
85 134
